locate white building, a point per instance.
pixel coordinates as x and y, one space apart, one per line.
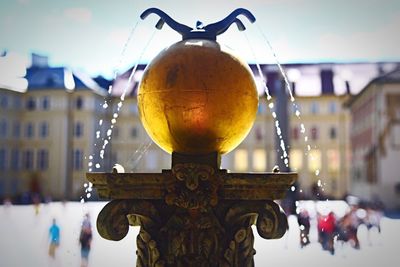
375 141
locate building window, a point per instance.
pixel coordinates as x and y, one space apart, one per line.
15 162
333 160
151 160
79 103
42 159
332 133
4 101
17 102
78 129
45 103
296 159
314 107
3 128
262 109
295 133
395 133
17 130
314 133
115 132
296 107
134 132
30 103
29 130
259 133
259 160
332 107
78 159
44 130
28 160
241 160
133 108
3 159
314 160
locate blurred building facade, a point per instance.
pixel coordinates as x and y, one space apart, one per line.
56 129
47 131
375 140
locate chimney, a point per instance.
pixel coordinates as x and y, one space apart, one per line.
327 82
39 61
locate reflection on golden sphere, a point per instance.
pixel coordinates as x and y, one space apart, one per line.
197 98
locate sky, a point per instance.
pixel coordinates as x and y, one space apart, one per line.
89 35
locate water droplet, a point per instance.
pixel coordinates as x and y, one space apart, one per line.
119 104
293 188
308 147
319 183
271 105
88 195
113 121
89 189
286 161
297 113
110 89
97 165
90 164
100 122
98 134
115 115
302 128
317 172
85 185
306 138
109 132
90 157
90 184
90 169
105 105
269 97
301 227
82 201
105 144
274 114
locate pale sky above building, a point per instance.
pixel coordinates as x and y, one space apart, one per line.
90 34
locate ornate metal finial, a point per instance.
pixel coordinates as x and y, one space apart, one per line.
209 32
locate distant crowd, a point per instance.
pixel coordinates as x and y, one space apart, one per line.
333 229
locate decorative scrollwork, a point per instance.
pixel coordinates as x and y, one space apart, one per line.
114 220
194 186
271 223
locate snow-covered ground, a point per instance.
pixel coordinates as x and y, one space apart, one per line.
24 242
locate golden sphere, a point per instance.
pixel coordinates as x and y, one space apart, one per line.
195 97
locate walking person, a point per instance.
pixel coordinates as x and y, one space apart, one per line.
85 240
303 219
54 234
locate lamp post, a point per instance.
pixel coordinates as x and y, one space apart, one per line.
196 101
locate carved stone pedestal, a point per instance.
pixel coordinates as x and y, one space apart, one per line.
194 214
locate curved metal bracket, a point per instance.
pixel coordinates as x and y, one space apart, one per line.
208 32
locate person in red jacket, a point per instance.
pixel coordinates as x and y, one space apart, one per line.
326 230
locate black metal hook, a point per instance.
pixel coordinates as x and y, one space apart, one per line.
209 32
